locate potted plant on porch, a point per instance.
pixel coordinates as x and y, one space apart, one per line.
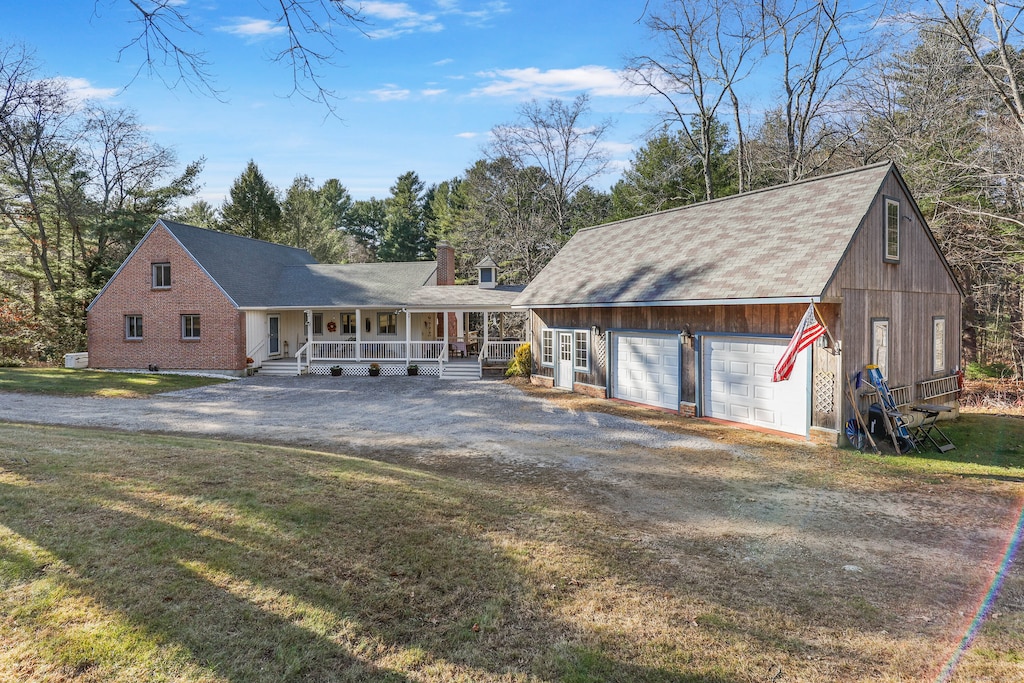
374 369
413 369
335 371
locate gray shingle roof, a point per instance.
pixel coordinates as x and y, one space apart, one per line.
246 269
784 241
352 284
464 296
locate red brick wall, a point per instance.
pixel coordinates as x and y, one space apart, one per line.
222 327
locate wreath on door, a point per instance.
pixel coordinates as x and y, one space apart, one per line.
332 326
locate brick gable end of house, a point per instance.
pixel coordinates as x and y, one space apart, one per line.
221 343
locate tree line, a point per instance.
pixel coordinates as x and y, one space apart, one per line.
751 94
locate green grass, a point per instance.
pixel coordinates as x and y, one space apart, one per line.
158 558
67 382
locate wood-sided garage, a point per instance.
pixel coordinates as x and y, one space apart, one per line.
696 304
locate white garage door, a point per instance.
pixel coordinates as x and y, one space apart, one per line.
646 368
737 384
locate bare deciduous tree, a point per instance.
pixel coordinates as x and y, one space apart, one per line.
167 38
556 138
706 50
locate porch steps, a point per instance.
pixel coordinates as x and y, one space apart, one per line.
462 371
284 367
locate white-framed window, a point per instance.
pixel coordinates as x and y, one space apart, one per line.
547 347
348 323
892 230
161 276
318 323
387 323
581 350
880 344
938 344
190 326
133 327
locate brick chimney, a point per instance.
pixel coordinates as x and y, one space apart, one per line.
445 264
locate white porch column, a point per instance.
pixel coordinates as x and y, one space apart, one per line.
359 334
444 351
483 348
408 336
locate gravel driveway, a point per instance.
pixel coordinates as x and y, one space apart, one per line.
424 416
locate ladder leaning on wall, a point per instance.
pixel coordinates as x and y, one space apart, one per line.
895 424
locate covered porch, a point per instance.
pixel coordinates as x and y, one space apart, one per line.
316 340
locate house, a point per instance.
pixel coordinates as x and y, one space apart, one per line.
690 309
193 299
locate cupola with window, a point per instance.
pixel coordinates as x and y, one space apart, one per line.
488 272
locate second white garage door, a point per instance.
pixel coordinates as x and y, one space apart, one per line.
646 368
737 384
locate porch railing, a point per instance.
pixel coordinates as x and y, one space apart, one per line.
320 351
500 350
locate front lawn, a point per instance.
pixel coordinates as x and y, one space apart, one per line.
68 382
140 557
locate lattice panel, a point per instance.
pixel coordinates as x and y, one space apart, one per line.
824 392
598 356
363 370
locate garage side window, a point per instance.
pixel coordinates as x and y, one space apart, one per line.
938 344
892 230
547 347
880 345
581 348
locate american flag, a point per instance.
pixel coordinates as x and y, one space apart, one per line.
806 333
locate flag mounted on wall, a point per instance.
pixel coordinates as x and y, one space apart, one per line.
807 332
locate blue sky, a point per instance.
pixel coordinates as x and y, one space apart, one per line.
419 93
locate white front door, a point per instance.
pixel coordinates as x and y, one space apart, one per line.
274 344
563 372
737 384
646 368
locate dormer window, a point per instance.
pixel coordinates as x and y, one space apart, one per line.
488 271
892 231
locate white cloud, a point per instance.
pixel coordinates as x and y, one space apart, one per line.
467 135
403 18
390 94
533 82
443 62
433 92
482 15
81 90
247 27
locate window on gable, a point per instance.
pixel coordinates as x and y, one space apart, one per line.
486 274
938 344
547 347
892 230
161 276
581 347
387 323
133 327
880 345
190 326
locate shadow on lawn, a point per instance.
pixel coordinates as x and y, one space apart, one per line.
296 567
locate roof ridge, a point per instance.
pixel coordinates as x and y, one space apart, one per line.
740 195
167 223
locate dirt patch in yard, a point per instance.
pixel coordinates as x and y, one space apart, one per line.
875 574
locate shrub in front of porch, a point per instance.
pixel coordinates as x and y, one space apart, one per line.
521 364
